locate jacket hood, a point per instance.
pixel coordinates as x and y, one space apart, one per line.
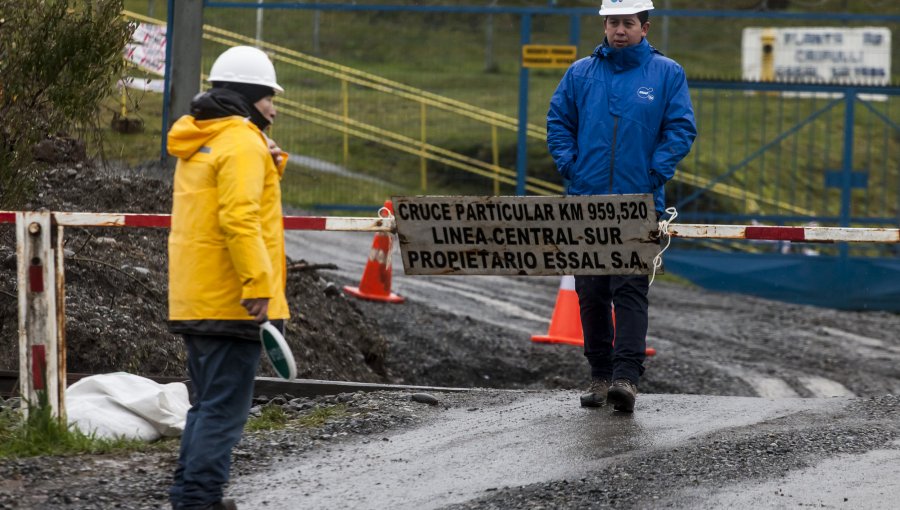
625 58
219 102
188 134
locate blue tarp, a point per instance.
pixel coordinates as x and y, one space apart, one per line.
826 281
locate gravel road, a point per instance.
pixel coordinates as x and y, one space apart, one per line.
534 449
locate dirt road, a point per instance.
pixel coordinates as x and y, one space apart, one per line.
495 450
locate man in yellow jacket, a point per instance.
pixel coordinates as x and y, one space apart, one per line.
226 262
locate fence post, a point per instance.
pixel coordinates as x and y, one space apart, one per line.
38 326
345 102
575 30
184 35
847 170
61 370
522 151
259 24
495 153
423 161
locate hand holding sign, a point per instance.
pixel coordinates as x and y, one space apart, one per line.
277 351
276 347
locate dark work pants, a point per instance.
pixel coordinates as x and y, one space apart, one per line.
222 370
596 294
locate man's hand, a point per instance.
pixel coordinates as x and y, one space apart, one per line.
257 307
275 151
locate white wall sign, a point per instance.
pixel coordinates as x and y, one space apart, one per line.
608 234
859 56
147 48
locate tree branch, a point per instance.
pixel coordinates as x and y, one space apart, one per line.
303 266
86 259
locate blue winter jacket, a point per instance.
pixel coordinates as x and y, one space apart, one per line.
619 122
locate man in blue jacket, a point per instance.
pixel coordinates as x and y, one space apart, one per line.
619 122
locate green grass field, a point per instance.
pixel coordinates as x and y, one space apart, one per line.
446 54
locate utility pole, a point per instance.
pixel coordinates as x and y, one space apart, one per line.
184 35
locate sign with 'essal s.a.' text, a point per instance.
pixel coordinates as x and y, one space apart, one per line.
455 235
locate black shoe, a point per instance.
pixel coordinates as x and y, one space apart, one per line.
223 504
596 393
621 395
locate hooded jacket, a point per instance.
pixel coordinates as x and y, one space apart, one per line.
620 121
227 237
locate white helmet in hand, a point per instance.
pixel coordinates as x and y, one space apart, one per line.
624 7
244 64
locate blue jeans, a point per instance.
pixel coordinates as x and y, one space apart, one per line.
222 370
596 294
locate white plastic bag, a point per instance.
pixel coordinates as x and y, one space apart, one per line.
127 405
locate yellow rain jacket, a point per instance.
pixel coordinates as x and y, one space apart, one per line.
227 237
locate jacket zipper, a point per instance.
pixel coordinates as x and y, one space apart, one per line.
612 156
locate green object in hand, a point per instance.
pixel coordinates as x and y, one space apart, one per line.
277 351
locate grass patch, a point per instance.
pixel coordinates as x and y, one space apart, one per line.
44 434
321 415
138 148
272 417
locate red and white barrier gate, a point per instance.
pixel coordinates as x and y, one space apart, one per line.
42 362
796 234
41 277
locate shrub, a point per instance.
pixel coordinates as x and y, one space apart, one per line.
58 60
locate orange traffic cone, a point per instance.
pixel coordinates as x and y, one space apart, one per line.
565 325
376 279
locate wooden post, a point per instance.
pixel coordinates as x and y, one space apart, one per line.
61 320
38 340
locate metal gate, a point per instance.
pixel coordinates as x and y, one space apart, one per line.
820 155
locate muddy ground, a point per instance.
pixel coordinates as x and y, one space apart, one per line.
116 281
710 344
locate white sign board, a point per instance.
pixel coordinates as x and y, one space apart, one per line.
610 234
834 55
147 48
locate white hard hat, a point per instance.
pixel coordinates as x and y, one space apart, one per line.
624 7
244 64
